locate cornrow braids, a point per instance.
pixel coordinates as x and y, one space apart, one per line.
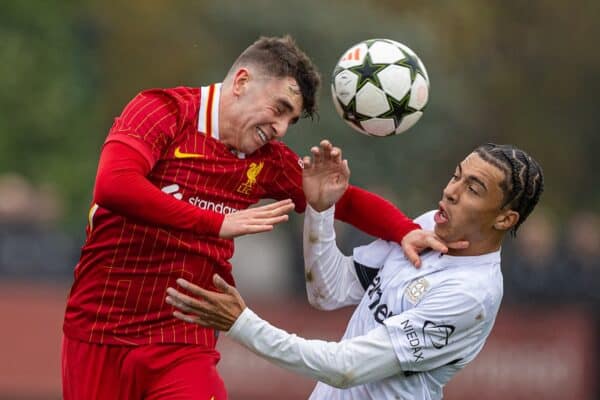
524 179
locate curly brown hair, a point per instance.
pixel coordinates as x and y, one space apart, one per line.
280 57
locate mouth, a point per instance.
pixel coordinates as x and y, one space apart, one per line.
441 216
262 135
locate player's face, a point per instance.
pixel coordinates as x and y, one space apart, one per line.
471 206
265 109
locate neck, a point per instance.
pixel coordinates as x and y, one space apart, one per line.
477 248
226 135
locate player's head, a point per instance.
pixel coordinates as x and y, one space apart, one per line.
269 87
491 192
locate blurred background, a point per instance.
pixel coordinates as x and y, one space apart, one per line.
521 72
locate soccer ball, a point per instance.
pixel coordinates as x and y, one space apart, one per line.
380 87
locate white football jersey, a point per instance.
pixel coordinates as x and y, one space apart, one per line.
438 316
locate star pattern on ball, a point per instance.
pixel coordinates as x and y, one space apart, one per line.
398 109
367 71
412 63
373 97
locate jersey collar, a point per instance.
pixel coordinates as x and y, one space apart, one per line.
443 260
208 114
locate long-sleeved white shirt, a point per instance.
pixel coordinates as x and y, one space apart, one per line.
412 331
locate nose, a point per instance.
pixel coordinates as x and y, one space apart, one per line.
280 128
451 192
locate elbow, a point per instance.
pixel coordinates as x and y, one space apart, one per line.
106 194
344 379
317 304
318 299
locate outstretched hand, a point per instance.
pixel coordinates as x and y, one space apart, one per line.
418 240
325 176
256 219
217 310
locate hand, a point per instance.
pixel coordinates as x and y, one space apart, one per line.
324 178
211 309
414 242
256 219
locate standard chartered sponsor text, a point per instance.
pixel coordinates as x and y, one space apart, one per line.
220 208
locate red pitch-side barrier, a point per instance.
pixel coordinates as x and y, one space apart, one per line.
533 353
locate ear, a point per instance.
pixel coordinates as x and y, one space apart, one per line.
240 80
506 220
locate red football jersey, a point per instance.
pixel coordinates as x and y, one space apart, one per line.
126 265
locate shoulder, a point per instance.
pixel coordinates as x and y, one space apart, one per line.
178 97
482 283
426 220
374 254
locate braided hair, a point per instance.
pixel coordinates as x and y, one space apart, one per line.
523 178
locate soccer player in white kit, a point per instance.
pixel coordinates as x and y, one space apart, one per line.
413 329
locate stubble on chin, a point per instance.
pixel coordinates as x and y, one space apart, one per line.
442 233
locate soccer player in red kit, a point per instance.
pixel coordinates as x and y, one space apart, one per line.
176 175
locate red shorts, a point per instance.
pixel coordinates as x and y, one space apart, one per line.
157 371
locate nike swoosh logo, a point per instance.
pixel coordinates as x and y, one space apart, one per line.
180 154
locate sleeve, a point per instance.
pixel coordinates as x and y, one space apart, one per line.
148 124
374 215
122 187
369 259
331 281
334 280
442 329
351 362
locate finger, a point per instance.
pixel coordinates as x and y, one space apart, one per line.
266 216
316 155
326 148
266 221
189 318
412 256
205 296
221 284
346 168
182 306
185 299
257 215
268 210
251 229
336 155
273 211
190 287
437 244
280 209
307 162
325 143
272 206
